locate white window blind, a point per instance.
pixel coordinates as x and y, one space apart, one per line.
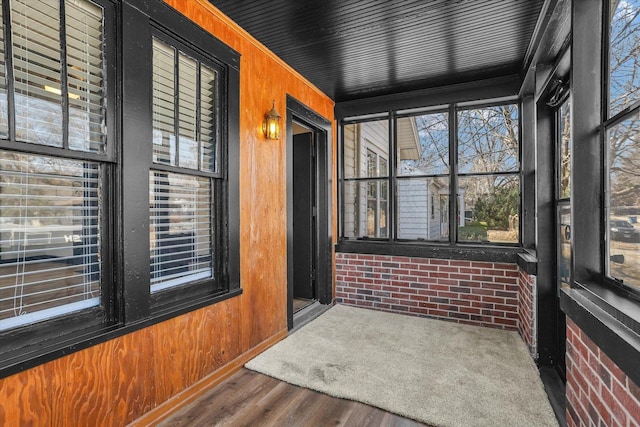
36 42
35 30
208 120
180 229
4 111
187 121
188 109
84 28
49 237
164 140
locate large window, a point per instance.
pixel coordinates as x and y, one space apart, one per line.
622 136
186 105
481 161
53 160
118 196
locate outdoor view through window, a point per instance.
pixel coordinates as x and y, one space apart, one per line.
487 199
623 139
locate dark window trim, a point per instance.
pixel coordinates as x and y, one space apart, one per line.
605 311
431 249
33 345
25 341
45 351
145 20
608 122
452 109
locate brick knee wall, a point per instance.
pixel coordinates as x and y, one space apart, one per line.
473 292
527 311
598 391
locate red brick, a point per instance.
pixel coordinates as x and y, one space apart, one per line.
617 411
626 399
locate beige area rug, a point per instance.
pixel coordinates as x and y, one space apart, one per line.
440 373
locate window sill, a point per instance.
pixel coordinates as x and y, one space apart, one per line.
461 252
610 320
28 357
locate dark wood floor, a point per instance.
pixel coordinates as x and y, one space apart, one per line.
251 399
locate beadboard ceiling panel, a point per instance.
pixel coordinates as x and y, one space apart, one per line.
354 49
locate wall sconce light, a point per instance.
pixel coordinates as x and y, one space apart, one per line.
271 125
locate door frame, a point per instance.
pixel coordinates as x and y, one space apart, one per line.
322 131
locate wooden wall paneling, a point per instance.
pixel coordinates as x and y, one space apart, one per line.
187 348
116 382
263 78
97 386
24 398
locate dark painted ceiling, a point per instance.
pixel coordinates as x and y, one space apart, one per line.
354 49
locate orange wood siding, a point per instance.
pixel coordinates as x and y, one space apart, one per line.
116 382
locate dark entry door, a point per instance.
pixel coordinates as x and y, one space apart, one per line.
304 217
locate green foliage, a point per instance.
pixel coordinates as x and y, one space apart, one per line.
474 231
495 209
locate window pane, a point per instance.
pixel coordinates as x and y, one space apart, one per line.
423 145
360 139
208 119
36 62
423 208
564 172
180 229
4 112
49 237
564 245
489 207
85 76
624 70
488 139
366 208
164 140
187 100
624 201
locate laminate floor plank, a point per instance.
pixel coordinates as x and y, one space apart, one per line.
251 399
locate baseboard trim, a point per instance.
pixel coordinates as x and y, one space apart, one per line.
190 394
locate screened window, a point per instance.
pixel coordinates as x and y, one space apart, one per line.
488 170
423 176
183 241
417 190
366 191
623 141
53 107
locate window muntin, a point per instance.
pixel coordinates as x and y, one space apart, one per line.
366 160
39 74
624 39
50 231
51 205
184 104
488 198
487 151
180 229
183 237
422 189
